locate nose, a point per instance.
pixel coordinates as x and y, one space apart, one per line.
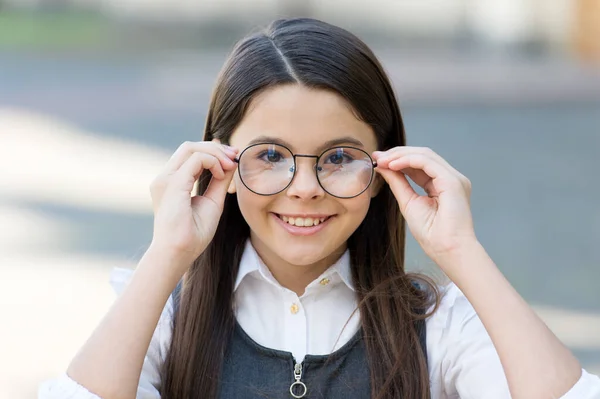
305 184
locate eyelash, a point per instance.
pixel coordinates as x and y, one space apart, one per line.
265 154
345 157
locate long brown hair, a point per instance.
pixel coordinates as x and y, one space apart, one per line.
317 55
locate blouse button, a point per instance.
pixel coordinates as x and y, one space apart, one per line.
294 308
324 281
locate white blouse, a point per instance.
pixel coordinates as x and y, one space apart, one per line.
463 362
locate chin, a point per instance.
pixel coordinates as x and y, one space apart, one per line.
302 251
300 257
305 251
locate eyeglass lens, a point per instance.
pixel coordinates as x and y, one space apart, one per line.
268 169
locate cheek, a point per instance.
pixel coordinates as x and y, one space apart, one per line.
251 205
357 208
376 185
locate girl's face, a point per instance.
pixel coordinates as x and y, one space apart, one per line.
307 121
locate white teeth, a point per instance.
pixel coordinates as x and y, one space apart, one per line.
302 222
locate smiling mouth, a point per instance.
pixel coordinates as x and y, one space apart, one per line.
303 222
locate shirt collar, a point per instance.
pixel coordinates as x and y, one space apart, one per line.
252 264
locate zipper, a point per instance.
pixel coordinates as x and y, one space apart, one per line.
298 385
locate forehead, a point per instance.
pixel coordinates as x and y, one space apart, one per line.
302 117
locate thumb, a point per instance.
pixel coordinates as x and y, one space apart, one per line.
400 186
217 188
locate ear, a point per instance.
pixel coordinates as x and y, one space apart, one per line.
231 189
377 184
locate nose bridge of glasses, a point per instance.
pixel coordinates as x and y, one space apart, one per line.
315 157
305 156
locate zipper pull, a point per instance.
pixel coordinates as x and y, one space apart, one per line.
297 376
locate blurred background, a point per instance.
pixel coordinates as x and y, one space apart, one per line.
96 94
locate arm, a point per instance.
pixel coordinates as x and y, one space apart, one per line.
535 362
149 385
463 359
110 363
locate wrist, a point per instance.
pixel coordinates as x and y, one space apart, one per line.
167 261
460 256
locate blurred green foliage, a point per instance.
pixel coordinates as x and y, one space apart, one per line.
73 30
53 30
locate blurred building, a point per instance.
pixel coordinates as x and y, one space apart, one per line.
587 32
564 24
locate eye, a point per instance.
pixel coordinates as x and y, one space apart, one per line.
271 155
339 158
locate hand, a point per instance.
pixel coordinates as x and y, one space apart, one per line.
440 221
185 225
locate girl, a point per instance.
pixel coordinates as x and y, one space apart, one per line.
291 254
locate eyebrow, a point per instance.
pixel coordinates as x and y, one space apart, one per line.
328 144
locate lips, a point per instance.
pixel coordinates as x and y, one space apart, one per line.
303 221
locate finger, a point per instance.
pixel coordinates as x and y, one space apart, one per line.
422 180
227 147
384 158
211 163
224 154
185 150
418 162
217 188
400 187
229 150
191 169
428 173
416 175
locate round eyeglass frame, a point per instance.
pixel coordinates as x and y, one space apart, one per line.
317 159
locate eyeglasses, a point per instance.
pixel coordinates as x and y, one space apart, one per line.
268 169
